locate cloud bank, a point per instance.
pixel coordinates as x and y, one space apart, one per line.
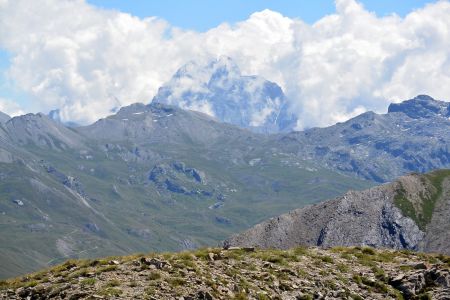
10 108
86 61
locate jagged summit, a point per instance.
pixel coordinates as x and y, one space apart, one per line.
218 89
422 106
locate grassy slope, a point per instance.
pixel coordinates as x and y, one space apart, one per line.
423 216
168 218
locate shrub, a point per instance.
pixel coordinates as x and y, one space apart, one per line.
154 275
327 259
176 281
368 250
88 281
110 291
113 283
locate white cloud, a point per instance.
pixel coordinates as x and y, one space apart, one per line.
86 61
10 107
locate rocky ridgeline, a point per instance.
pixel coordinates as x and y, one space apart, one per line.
412 137
244 273
409 213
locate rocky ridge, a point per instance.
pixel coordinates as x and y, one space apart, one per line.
406 214
243 273
414 136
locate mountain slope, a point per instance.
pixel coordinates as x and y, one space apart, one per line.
4 118
410 213
413 136
151 177
300 273
157 177
218 89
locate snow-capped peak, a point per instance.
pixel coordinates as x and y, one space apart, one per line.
218 88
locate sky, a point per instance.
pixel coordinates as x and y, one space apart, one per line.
201 15
333 59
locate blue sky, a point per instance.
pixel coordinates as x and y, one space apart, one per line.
202 15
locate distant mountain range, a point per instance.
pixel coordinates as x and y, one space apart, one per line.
414 136
151 177
158 177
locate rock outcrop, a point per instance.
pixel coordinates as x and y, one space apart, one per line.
406 214
243 273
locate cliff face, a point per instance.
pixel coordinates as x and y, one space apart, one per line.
406 214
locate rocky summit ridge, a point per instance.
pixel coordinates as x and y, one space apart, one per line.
414 136
243 273
409 213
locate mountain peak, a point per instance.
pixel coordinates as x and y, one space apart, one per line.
421 106
42 131
218 89
224 66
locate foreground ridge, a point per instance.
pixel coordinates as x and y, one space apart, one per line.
244 273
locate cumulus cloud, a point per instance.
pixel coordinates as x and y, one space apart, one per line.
85 60
10 107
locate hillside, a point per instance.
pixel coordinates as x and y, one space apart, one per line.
159 178
148 178
409 213
300 273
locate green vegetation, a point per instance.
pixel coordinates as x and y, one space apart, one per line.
154 275
113 283
407 208
88 281
176 281
179 216
237 274
110 291
423 214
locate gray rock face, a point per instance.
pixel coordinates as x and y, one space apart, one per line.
372 217
422 106
219 89
414 136
158 123
41 131
178 178
4 118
